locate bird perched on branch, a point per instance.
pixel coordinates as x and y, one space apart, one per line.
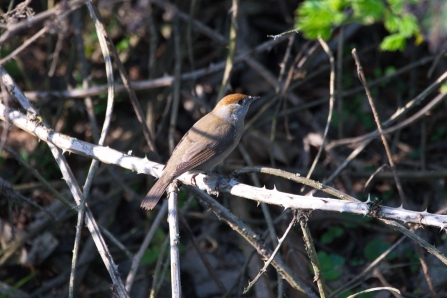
209 141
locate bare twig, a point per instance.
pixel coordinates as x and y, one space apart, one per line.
176 85
69 178
127 85
231 49
338 80
95 163
359 277
399 113
252 238
196 245
265 211
61 9
24 45
267 263
379 128
174 239
143 247
303 218
331 104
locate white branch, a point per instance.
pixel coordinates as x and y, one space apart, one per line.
140 165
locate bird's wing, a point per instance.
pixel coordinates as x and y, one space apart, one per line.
204 146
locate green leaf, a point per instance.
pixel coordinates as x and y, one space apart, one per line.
408 25
390 70
393 42
316 18
375 248
369 11
391 22
331 234
330 265
443 88
123 44
337 5
151 254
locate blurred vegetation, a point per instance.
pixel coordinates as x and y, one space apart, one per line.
401 45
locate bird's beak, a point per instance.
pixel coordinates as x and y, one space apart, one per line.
253 98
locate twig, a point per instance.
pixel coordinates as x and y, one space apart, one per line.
55 55
273 254
280 91
143 247
265 211
331 104
80 49
15 197
369 137
231 49
303 218
327 189
192 8
376 273
399 113
69 178
391 289
154 287
176 85
39 177
61 9
283 33
425 270
249 235
379 128
359 277
338 79
209 268
95 163
372 176
5 101
24 45
165 81
127 85
115 241
174 240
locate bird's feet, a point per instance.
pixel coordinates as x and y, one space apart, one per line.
211 182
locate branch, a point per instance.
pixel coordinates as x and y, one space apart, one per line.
275 197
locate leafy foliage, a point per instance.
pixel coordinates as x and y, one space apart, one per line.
330 265
318 17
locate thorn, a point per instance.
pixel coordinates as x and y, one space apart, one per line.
274 187
401 207
369 198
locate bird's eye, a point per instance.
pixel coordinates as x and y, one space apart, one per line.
240 102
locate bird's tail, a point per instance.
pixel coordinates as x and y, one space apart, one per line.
154 195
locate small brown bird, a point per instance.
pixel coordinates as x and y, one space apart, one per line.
205 145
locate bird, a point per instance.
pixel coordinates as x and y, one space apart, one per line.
208 142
